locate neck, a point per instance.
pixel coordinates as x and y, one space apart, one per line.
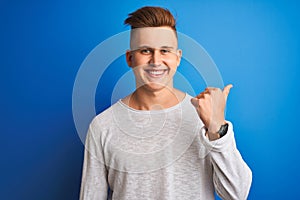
143 99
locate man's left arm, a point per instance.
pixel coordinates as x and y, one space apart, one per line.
231 175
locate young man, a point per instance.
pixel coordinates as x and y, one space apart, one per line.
159 142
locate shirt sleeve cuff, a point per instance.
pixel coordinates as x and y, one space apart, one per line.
222 144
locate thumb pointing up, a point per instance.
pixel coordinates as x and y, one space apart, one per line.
226 90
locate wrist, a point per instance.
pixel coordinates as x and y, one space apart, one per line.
215 133
212 136
214 127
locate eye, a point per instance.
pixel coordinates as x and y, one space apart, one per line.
165 51
145 51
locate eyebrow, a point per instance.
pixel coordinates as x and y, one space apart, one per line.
148 47
167 47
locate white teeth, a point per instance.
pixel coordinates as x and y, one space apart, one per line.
156 72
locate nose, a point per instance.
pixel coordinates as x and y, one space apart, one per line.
156 58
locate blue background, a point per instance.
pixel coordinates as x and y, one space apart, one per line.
255 44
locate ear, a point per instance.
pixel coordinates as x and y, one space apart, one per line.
129 58
179 54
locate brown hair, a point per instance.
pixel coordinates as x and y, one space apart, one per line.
151 17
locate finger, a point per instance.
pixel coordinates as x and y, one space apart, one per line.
195 102
210 88
201 95
226 90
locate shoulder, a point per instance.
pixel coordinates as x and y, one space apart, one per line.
188 109
187 95
104 119
187 100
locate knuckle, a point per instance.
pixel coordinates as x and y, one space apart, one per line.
206 95
201 102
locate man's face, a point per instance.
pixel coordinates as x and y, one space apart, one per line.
153 56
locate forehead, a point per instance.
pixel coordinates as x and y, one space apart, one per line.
155 37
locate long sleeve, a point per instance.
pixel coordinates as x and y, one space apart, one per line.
94 174
231 176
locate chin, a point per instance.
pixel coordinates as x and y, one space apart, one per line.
154 87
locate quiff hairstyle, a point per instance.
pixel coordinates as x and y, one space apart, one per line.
150 16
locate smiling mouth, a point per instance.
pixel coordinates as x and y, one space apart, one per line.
156 73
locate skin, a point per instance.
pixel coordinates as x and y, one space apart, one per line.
155 92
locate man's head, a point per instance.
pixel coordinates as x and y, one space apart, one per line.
153 46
